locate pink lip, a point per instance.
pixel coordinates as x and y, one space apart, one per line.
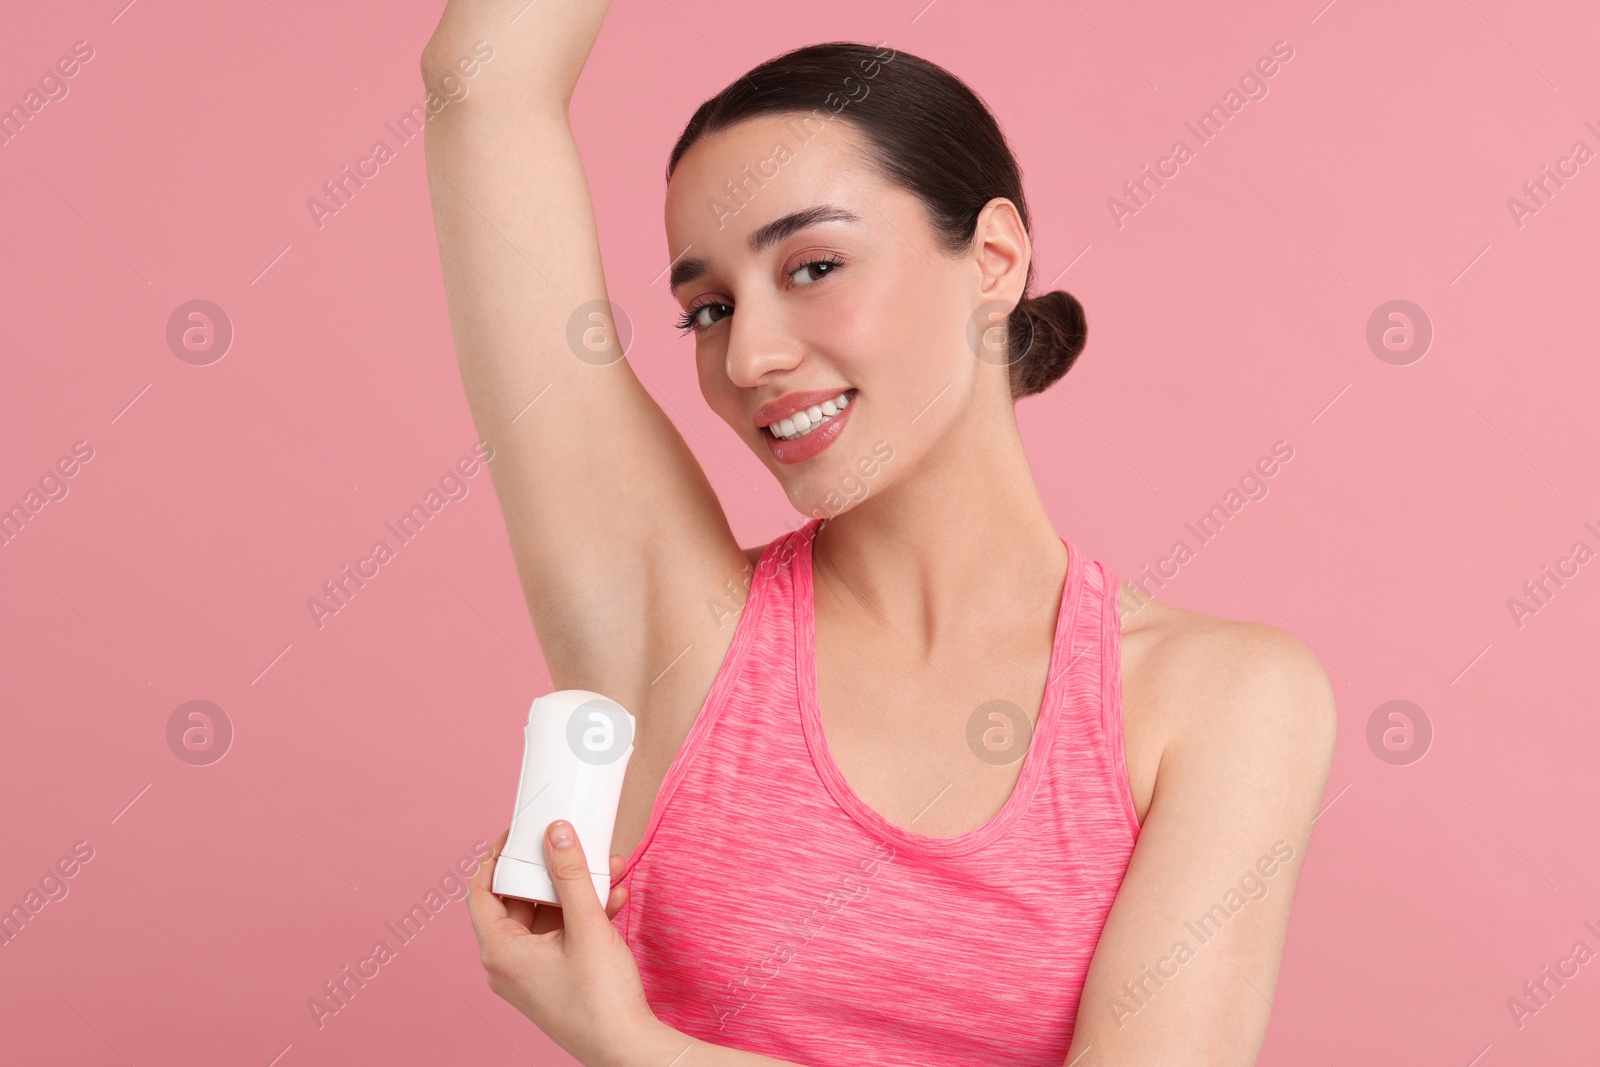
798 451
781 408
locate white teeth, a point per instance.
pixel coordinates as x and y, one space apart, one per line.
803 422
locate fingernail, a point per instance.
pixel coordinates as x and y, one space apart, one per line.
561 834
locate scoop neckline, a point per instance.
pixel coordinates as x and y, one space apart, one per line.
1034 761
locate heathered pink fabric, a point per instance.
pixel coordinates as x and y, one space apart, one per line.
770 909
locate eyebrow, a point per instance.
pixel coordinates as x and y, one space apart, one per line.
764 237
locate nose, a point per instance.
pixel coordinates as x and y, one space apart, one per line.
760 343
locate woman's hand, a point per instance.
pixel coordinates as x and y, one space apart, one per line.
565 967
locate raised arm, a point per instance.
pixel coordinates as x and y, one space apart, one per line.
617 535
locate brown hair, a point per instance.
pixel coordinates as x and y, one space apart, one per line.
934 138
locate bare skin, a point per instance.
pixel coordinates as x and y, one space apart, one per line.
936 592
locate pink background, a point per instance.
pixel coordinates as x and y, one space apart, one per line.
1229 313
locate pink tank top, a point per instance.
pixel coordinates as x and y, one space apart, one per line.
771 910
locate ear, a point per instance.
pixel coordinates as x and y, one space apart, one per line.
1002 251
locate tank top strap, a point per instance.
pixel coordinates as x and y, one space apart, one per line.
782 553
1090 759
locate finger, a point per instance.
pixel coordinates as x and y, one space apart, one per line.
517 910
483 906
615 902
491 918
520 911
619 893
581 909
546 918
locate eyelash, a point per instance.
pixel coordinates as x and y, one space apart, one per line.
686 322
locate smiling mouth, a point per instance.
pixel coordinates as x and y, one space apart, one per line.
802 423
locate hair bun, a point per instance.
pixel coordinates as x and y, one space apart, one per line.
1046 332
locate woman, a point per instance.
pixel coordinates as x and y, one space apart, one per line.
916 782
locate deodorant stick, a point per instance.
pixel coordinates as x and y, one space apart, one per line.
575 751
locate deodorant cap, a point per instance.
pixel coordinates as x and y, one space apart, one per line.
531 881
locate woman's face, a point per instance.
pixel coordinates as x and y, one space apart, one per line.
851 297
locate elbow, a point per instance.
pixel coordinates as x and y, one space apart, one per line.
448 74
437 60
450 41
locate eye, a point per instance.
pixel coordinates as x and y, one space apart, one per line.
690 322
826 261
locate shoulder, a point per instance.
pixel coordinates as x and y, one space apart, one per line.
1246 689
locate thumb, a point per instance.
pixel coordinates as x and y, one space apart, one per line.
580 907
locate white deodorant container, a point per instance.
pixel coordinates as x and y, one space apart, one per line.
575 751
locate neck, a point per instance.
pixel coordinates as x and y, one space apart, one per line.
964 541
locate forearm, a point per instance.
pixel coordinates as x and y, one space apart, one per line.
659 1045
